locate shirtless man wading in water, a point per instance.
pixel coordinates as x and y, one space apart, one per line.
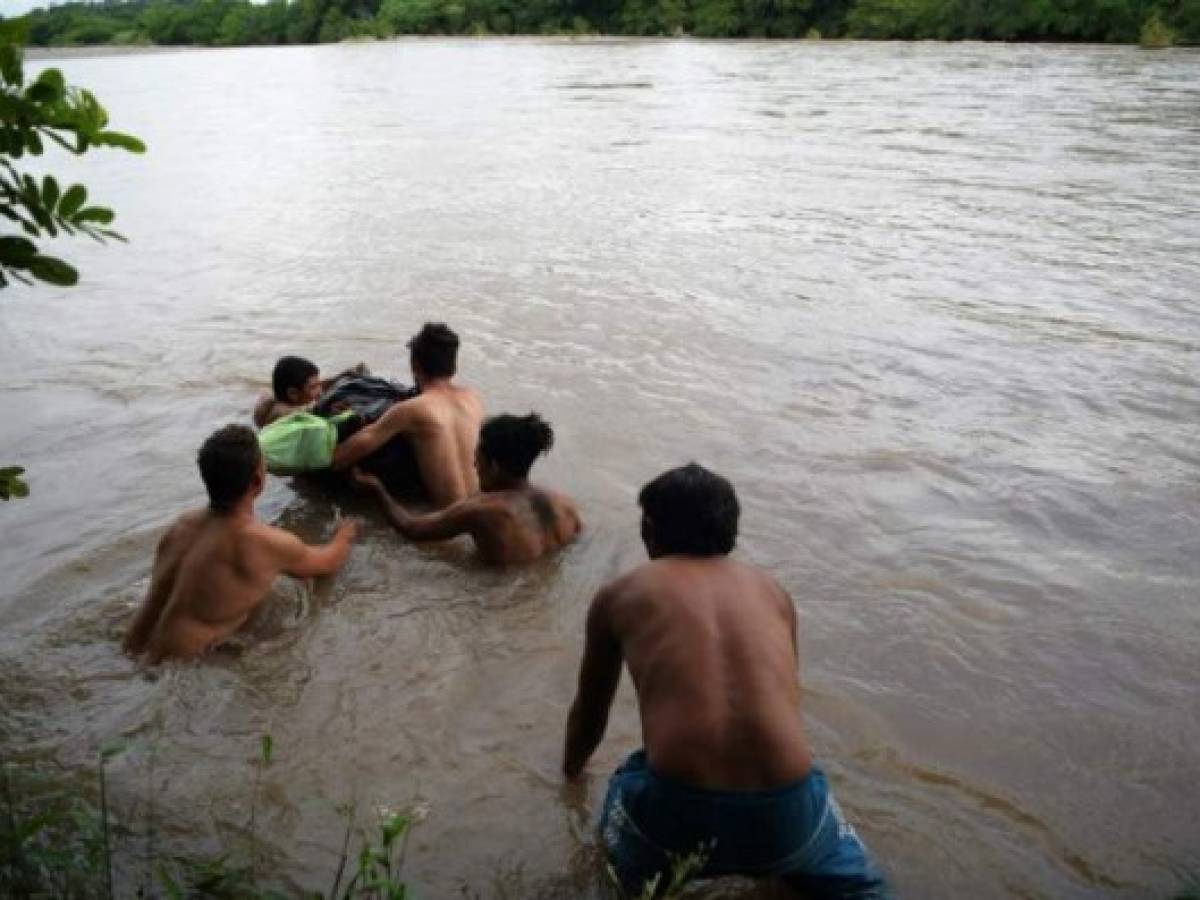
215 565
711 646
511 521
442 422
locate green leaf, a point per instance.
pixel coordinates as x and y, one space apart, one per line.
49 87
53 271
93 214
11 484
16 252
267 747
72 201
50 192
117 139
10 58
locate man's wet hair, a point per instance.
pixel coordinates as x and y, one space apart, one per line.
291 372
228 462
692 511
435 350
514 442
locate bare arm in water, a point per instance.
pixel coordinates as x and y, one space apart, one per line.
399 419
298 559
162 582
599 675
464 517
209 575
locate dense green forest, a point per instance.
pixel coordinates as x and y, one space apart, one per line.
239 22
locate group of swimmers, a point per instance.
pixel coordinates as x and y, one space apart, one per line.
710 642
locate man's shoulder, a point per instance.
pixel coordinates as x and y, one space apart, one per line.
257 533
630 586
468 399
414 408
186 525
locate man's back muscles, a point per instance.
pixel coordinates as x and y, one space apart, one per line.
709 643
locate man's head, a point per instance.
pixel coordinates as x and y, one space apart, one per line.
296 381
689 511
231 465
508 445
433 352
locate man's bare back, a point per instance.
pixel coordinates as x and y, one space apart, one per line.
710 645
210 572
508 527
726 770
444 432
524 524
215 565
441 422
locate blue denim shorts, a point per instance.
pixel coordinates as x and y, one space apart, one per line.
795 832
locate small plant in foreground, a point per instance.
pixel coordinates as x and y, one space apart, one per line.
684 868
55 842
380 867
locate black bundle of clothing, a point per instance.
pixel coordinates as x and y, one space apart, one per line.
369 397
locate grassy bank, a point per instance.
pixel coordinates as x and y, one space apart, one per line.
60 837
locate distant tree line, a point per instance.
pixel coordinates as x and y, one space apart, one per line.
240 22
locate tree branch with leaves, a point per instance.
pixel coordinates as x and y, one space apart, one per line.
44 112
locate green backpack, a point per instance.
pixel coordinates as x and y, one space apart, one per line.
300 442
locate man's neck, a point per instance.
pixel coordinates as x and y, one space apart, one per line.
508 484
241 512
436 384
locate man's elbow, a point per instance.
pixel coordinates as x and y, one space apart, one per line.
342 458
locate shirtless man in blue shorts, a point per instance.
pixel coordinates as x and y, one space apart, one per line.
711 646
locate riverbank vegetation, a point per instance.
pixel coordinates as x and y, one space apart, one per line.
241 22
60 836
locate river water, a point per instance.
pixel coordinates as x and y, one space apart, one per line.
931 308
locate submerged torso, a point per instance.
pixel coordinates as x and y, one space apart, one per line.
525 523
208 567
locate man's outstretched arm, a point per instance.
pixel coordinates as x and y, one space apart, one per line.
461 518
303 561
599 674
397 420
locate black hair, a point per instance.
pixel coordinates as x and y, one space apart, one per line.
291 372
692 511
514 442
228 462
435 350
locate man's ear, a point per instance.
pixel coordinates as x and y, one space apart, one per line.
648 536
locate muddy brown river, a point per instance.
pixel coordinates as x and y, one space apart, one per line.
932 308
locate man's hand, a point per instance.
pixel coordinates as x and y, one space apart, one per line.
347 531
366 481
